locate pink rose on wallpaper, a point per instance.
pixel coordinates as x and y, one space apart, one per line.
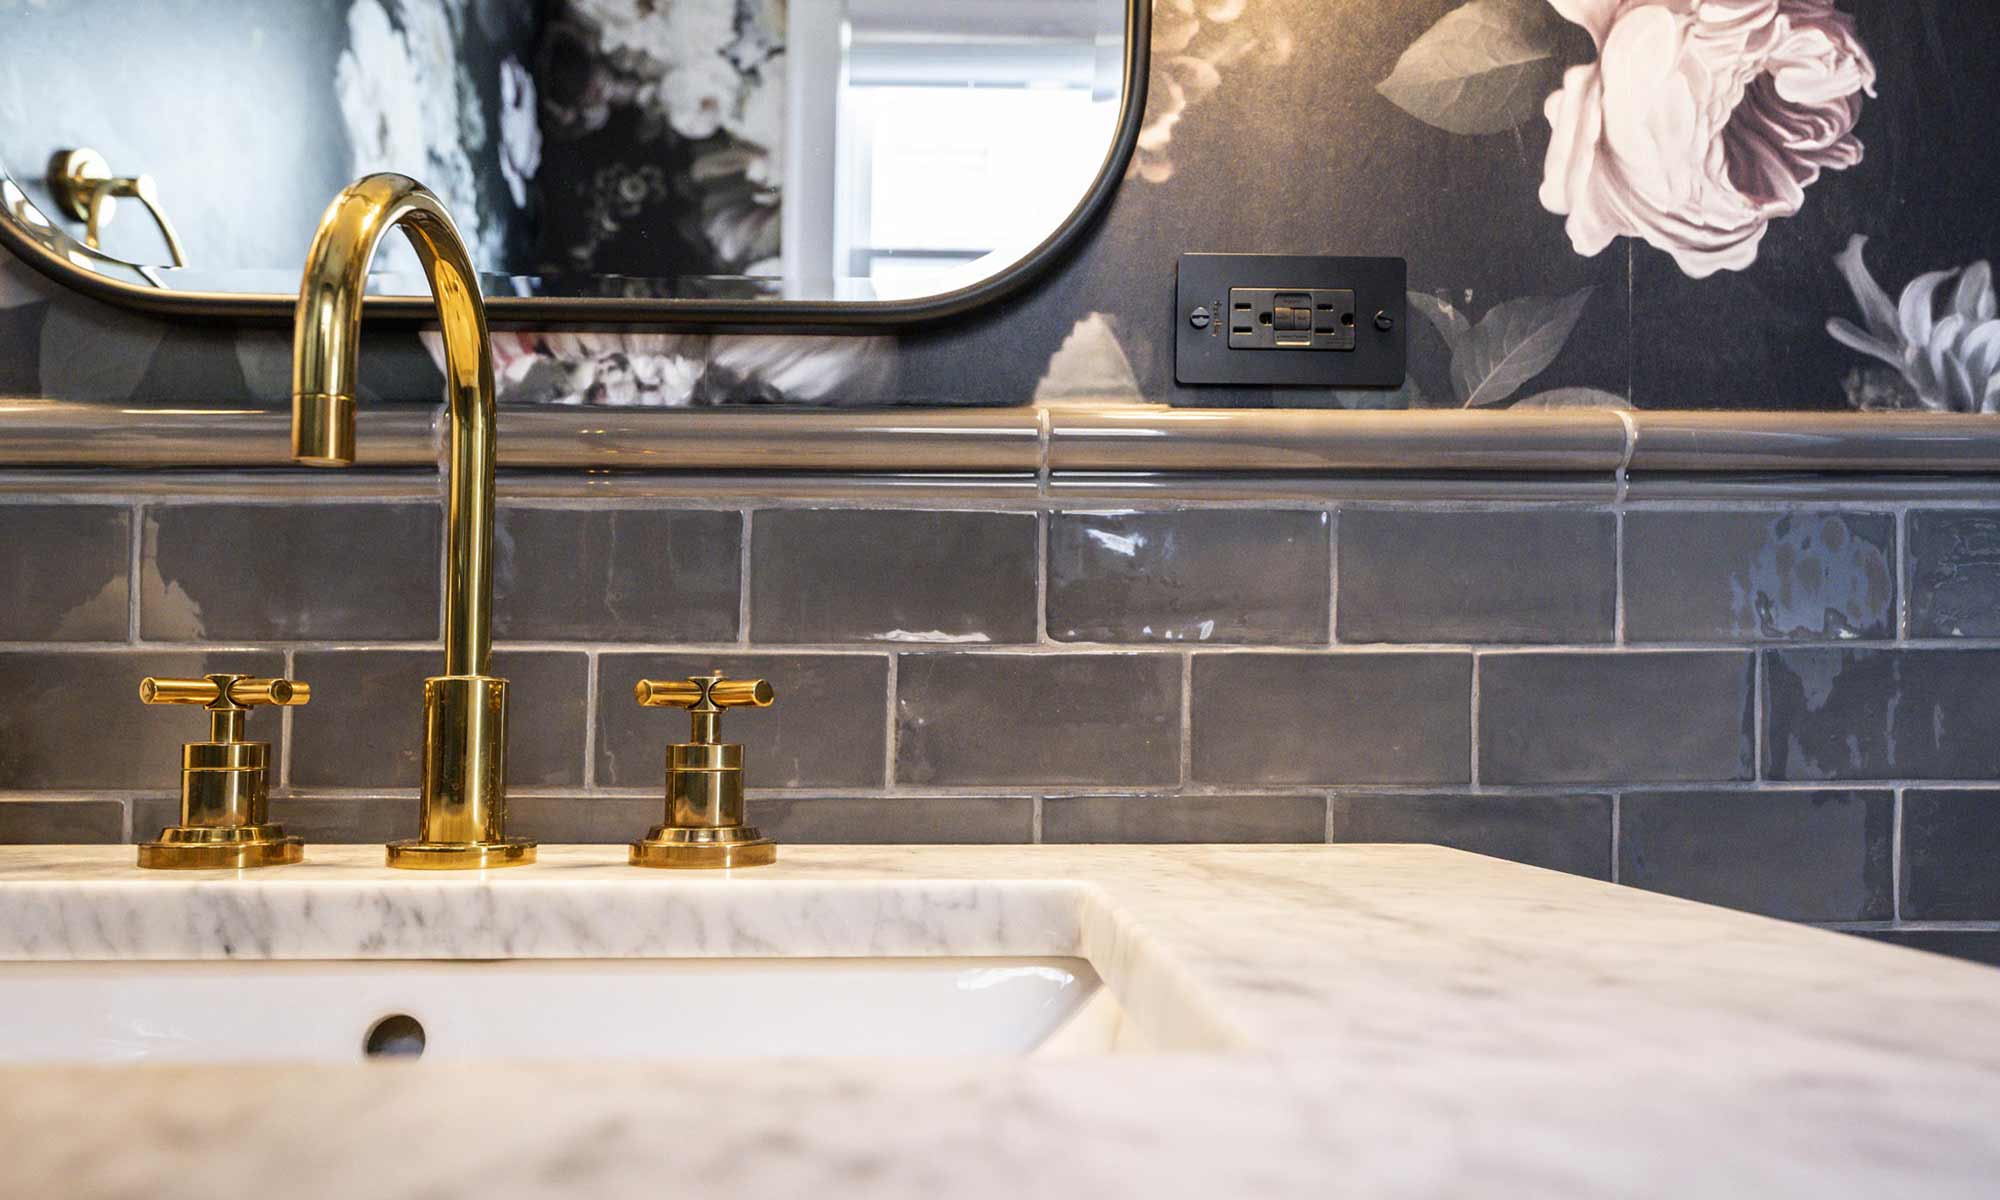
1701 121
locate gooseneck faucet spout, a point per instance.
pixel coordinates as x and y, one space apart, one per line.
464 789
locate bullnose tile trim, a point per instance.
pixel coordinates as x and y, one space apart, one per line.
1094 441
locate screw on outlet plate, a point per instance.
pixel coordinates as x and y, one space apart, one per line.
1384 322
1201 318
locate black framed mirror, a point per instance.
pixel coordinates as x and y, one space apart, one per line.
812 165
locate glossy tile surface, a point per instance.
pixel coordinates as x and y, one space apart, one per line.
1804 856
240 572
895 820
53 822
65 572
1953 573
1951 841
1759 576
1611 717
1881 714
616 574
851 575
1331 718
1563 833
1534 576
1038 719
1196 575
827 728
1196 819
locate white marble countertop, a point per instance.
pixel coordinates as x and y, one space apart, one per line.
1402 1021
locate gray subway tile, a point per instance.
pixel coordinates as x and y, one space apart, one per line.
73 719
896 820
617 574
1838 713
1563 833
583 820
150 814
359 820
65 572
1529 576
1198 575
1344 717
1953 574
364 727
1803 856
1971 945
1606 717
827 729
1759 576
1951 843
1184 819
1034 719
857 575
61 822
227 572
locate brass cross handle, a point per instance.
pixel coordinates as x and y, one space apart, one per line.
704 696
224 691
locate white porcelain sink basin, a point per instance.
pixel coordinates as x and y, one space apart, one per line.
554 1009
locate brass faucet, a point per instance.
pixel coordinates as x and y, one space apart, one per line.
464 796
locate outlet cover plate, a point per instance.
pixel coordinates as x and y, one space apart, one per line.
1203 353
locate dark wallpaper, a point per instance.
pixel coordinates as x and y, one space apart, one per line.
1663 203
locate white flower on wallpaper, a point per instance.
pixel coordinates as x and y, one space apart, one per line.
406 66
520 130
1701 122
1698 123
1944 344
1193 42
665 370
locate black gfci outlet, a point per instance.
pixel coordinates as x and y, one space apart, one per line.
1293 320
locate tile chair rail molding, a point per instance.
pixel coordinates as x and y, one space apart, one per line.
1071 444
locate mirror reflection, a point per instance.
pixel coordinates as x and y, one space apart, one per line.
788 149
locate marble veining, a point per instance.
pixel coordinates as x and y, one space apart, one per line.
1397 1021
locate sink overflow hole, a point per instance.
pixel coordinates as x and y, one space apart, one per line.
398 1035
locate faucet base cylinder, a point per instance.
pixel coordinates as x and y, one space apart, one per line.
220 848
460 856
681 848
464 801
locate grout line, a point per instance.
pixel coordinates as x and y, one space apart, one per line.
1617 833
1757 733
1035 823
1618 637
1472 722
1326 800
1187 721
590 717
1896 858
1042 531
1622 475
136 572
285 725
893 682
1903 574
743 569
1333 576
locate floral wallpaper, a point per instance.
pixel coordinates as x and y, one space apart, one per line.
1650 203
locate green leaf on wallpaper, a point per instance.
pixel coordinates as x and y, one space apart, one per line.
1575 397
93 352
1513 343
1484 68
